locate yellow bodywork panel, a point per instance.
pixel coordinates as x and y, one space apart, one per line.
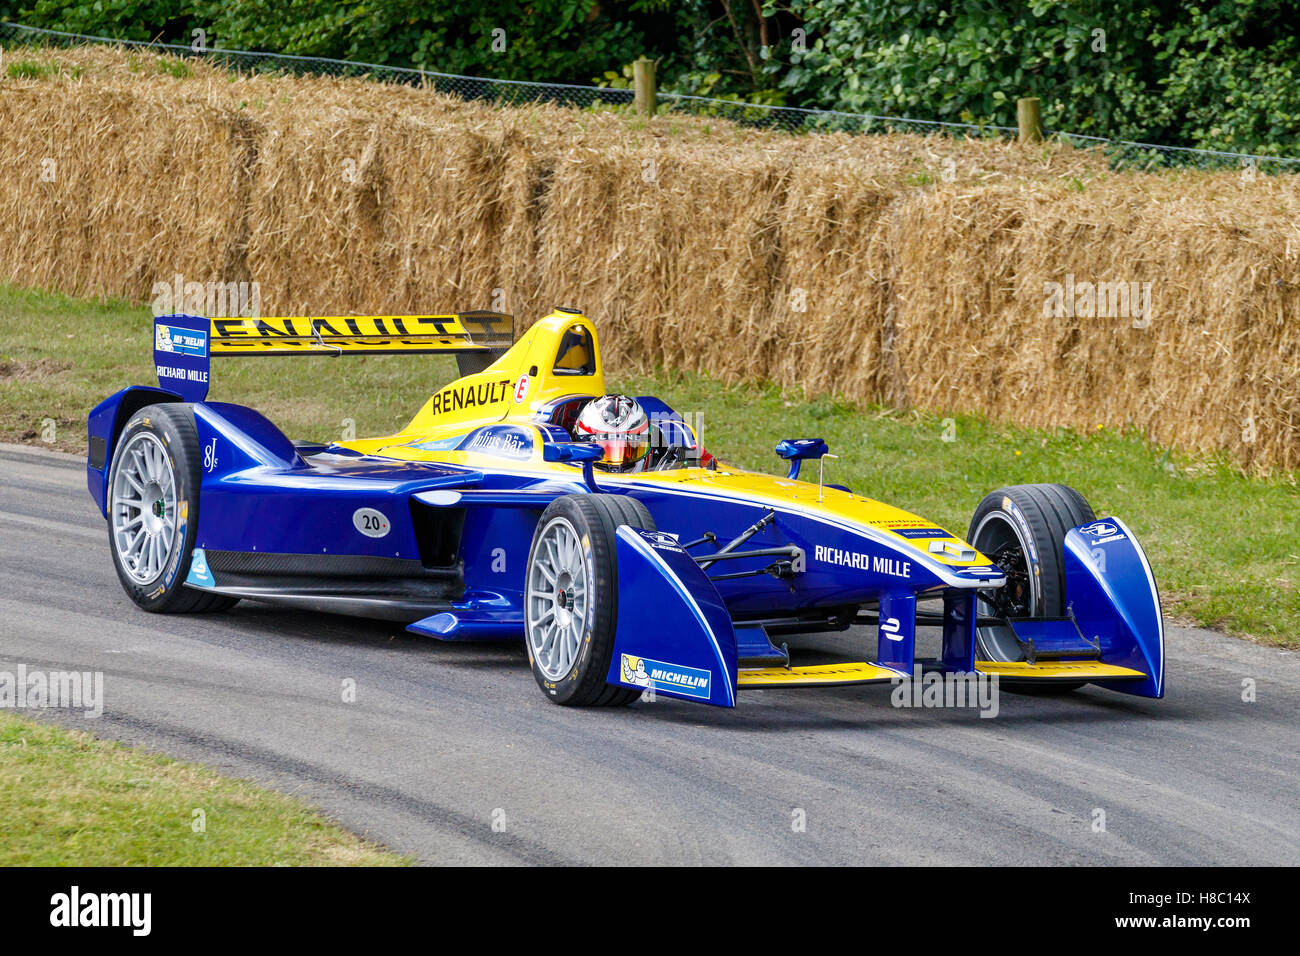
559 356
550 360
821 675
361 334
829 502
1056 670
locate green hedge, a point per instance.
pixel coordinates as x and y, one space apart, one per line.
1218 74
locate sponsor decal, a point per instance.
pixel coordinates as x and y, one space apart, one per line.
661 540
171 338
644 672
440 444
360 332
921 533
200 574
521 389
1102 532
180 355
183 374
983 571
894 567
891 627
470 396
371 523
952 549
503 441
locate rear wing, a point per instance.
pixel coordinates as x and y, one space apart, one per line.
184 344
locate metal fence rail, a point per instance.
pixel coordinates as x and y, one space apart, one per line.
1121 154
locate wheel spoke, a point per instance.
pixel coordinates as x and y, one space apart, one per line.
144 518
558 597
562 648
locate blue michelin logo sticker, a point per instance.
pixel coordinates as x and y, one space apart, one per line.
172 338
200 576
643 672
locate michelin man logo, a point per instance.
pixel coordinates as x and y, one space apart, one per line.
634 671
163 338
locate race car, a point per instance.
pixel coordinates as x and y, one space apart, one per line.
524 502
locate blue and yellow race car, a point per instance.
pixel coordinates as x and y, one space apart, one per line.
524 503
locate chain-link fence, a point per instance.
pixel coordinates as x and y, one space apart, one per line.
1121 154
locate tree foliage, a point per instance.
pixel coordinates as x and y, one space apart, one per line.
1217 74
1210 73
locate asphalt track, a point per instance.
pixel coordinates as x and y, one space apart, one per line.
443 740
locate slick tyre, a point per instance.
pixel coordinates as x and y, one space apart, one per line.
153 510
571 597
1022 529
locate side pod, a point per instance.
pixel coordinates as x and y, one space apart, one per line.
1110 588
674 634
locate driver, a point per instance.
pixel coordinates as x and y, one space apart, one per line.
620 426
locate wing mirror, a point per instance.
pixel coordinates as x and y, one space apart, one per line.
577 452
571 451
797 450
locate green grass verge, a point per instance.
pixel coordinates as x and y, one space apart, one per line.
1225 548
69 799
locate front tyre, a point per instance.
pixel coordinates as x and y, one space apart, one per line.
571 599
1022 529
153 510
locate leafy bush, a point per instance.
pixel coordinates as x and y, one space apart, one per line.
1218 74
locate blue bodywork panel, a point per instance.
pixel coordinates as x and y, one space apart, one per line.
1112 593
674 634
105 424
181 356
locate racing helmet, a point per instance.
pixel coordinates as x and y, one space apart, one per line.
619 425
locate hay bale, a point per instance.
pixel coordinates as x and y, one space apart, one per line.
898 269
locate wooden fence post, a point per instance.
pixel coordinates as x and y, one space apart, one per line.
643 80
1029 118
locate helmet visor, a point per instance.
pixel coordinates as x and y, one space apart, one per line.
623 449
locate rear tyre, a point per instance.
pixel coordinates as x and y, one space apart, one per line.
153 511
1022 529
571 597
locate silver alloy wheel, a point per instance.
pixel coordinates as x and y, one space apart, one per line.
558 594
143 508
999 643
